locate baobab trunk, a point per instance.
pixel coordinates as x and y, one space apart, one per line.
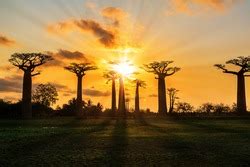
171 104
137 102
241 94
79 105
162 105
113 98
26 99
121 104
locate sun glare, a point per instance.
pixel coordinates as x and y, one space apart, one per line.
124 67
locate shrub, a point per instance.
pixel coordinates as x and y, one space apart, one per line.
184 107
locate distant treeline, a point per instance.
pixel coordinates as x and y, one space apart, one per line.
13 110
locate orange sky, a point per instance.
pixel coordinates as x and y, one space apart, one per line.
194 34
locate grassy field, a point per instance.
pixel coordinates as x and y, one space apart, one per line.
111 142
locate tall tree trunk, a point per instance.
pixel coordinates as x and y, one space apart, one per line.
79 104
171 103
137 102
26 99
162 105
113 98
121 104
241 94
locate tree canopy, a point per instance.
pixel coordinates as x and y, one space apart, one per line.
80 69
29 61
110 75
140 83
161 68
242 62
45 94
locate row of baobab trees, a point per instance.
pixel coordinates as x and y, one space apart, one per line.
28 62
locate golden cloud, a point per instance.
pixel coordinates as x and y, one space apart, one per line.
6 41
60 27
197 6
62 55
113 32
106 37
114 14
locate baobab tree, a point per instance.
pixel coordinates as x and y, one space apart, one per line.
161 70
124 69
112 76
172 93
244 67
80 71
139 83
27 62
121 101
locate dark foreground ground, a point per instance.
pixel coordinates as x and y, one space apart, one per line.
142 142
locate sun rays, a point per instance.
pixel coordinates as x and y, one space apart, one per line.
124 67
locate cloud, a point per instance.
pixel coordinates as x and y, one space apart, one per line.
114 14
105 37
71 55
65 90
60 87
69 92
6 41
60 27
113 32
5 68
196 6
95 93
153 95
62 55
11 84
56 62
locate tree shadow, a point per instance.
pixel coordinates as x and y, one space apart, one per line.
195 143
174 147
149 126
116 155
69 136
209 127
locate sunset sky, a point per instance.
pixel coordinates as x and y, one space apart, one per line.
195 34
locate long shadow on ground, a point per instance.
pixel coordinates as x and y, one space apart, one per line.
196 144
116 155
51 145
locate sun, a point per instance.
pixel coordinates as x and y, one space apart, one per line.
124 67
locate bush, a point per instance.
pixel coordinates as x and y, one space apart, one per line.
184 107
14 110
221 108
207 108
67 109
9 109
41 110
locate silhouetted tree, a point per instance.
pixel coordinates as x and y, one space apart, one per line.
207 107
244 64
45 94
139 83
121 102
112 76
80 71
68 109
27 62
172 93
184 107
220 108
161 70
93 110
